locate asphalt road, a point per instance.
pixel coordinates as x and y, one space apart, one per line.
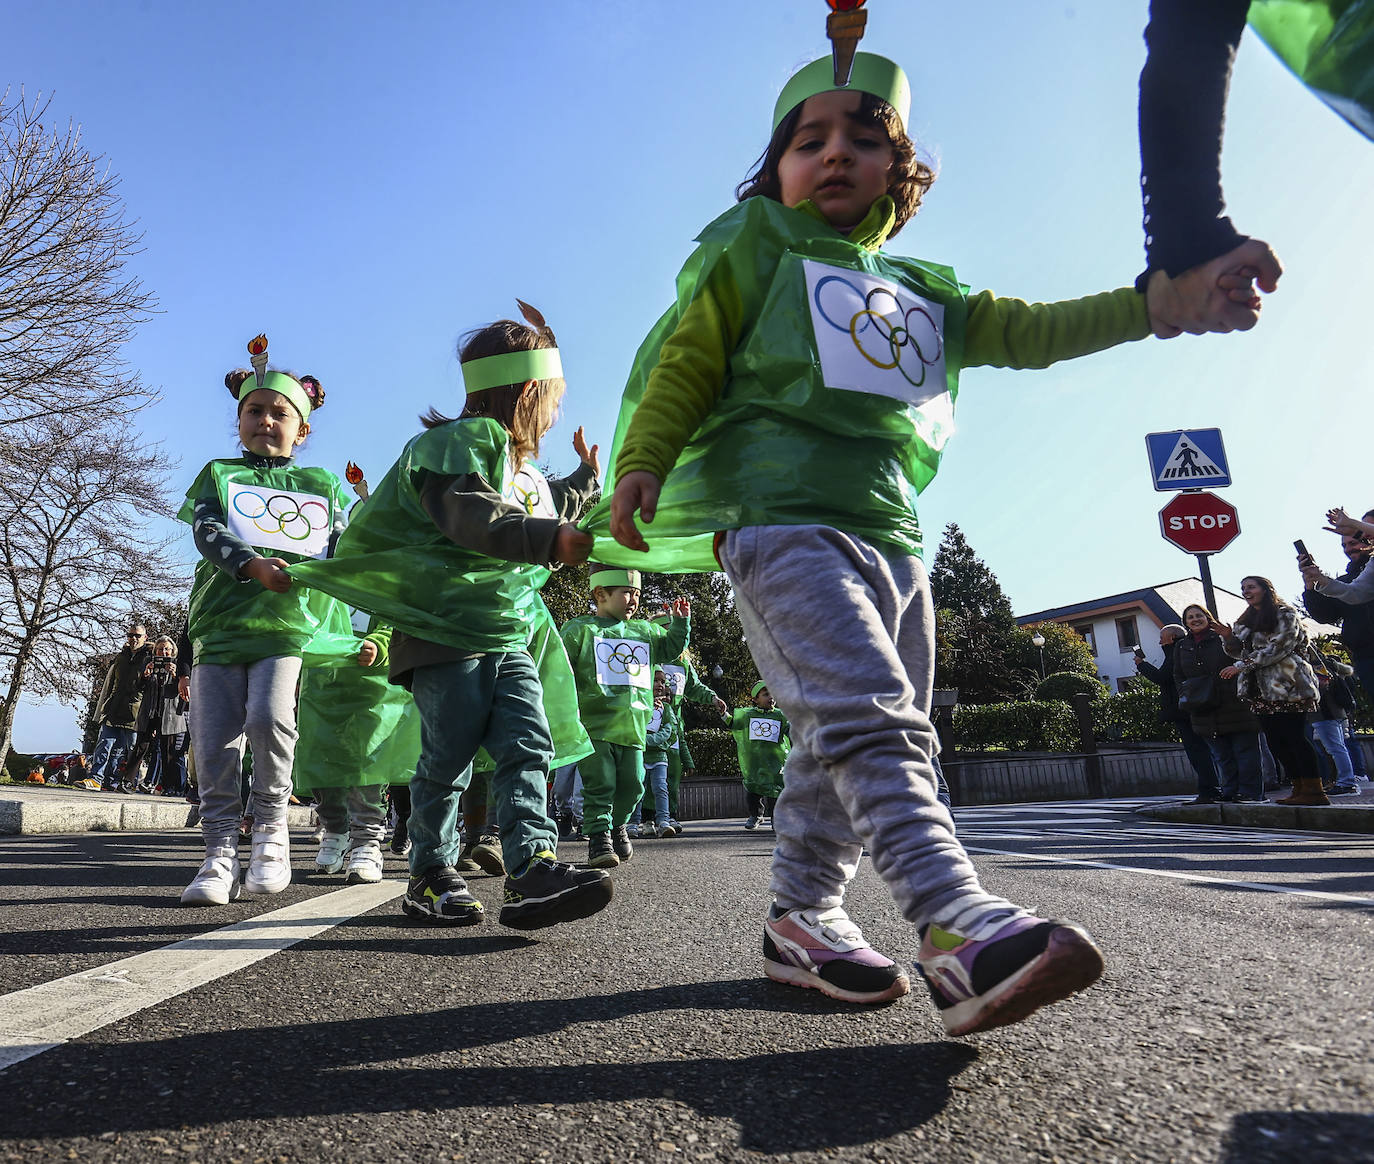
1233 1023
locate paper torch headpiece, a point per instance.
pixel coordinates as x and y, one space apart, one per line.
288 386
870 74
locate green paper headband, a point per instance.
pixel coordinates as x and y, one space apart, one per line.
609 578
511 368
754 691
871 74
278 382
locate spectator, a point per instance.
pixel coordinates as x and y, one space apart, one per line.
162 725
1276 680
1231 732
1326 726
1194 746
116 711
1356 619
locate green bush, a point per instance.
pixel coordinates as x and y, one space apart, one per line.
18 765
1132 717
1041 726
1064 685
713 750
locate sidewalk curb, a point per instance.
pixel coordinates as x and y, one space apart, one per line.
1335 819
58 813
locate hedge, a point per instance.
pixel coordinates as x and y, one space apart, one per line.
1065 685
713 750
1031 726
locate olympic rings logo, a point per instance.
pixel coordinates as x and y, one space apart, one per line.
622 658
290 517
899 338
763 729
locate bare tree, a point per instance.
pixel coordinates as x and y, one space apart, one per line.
77 554
66 303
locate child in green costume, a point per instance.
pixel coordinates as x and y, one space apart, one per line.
661 736
358 734
684 684
248 627
779 422
451 550
612 655
763 738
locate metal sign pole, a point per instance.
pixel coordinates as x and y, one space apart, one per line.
1209 596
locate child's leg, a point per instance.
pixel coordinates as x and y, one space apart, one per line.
332 806
518 739
450 698
844 638
598 788
270 725
629 782
219 693
366 825
657 778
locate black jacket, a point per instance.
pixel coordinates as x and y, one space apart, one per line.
1206 656
1163 678
1357 622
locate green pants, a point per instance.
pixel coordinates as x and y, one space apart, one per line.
612 784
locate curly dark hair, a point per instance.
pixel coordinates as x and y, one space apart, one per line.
908 180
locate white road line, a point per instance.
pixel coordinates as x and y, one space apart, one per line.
46 1016
1346 898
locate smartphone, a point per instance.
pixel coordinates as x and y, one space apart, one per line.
1302 549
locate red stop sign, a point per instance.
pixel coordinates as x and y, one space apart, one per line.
1201 523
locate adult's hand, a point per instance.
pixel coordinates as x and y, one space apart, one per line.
1216 296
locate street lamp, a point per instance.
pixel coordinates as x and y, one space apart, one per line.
1038 641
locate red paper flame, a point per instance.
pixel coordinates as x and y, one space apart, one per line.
844 5
353 474
257 345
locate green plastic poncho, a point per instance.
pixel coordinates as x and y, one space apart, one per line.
1329 44
613 661
762 744
355 727
394 562
286 512
843 349
661 733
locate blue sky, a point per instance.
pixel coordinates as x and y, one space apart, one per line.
366 182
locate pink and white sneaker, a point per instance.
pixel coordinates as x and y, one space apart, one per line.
1005 970
823 950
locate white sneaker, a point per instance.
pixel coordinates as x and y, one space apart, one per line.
217 883
365 864
269 868
333 850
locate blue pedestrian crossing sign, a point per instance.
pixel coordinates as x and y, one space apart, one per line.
1191 458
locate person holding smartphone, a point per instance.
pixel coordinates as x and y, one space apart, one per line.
1339 601
1194 745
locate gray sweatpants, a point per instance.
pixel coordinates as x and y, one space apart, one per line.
231 701
844 636
359 811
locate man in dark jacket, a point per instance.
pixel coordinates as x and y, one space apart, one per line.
1356 622
1194 746
116 711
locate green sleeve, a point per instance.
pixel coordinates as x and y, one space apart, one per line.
696 690
667 643
380 637
684 753
687 380
1010 333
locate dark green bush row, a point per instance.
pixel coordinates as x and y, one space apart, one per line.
713 749
1030 726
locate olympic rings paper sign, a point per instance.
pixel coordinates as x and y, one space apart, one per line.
656 720
874 335
277 519
622 663
528 489
768 730
676 678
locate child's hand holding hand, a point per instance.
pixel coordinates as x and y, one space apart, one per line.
588 455
270 572
1218 295
637 491
571 546
722 707
367 653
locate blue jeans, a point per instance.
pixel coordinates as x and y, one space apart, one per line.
1237 758
1356 750
492 701
112 745
567 790
1328 737
656 779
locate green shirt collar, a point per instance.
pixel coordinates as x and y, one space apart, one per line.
874 228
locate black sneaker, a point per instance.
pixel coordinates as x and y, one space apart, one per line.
620 842
550 892
601 852
439 895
